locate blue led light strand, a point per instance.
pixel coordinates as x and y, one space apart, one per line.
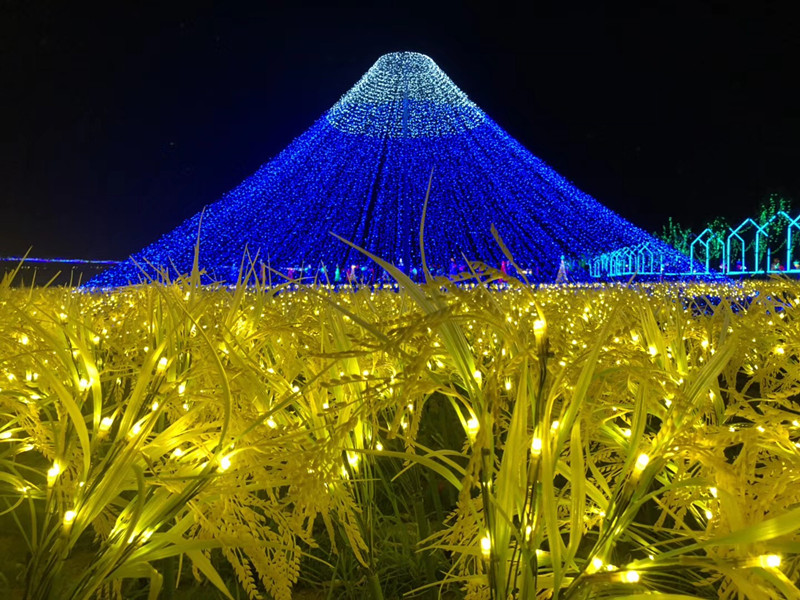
66 261
361 171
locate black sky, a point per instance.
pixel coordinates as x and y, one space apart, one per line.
119 120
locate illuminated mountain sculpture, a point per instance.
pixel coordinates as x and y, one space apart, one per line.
362 170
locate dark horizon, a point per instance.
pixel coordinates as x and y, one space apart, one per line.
120 123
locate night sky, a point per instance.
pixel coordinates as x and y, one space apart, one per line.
120 120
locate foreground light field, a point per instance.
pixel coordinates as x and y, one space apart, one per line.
564 442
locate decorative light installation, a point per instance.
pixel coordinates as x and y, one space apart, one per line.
643 259
703 242
57 261
751 248
783 248
770 247
742 256
362 170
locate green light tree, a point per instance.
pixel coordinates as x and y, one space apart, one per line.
677 236
775 227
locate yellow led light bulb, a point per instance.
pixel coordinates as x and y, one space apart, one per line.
224 463
53 472
486 546
472 427
630 576
769 561
641 462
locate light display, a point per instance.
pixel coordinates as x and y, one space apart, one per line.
751 248
783 250
60 261
361 172
637 260
742 257
701 250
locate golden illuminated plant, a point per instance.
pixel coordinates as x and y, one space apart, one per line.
531 442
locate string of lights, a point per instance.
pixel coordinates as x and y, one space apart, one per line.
361 172
64 261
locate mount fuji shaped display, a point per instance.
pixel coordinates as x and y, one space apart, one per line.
362 171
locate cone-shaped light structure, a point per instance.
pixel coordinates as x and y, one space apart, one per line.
362 170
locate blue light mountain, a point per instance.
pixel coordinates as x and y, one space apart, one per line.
361 171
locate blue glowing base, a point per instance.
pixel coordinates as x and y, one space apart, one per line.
362 170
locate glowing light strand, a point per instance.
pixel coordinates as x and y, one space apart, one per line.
362 170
